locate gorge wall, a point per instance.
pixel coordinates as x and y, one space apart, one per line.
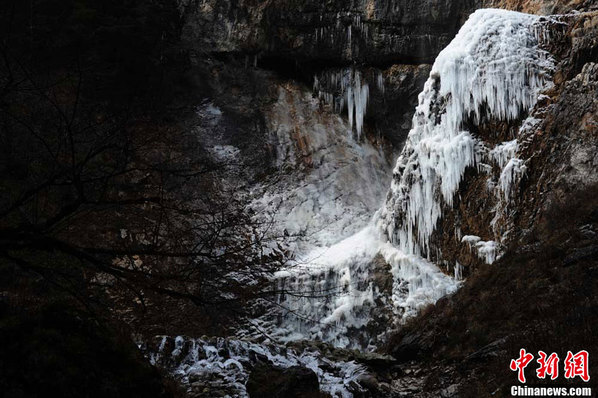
326 93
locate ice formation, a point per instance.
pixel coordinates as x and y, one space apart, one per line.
345 88
330 293
513 170
380 82
458 271
310 201
328 32
502 153
493 69
489 251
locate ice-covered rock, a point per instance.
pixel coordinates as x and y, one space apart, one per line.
328 184
225 365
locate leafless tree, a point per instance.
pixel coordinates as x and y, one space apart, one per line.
104 203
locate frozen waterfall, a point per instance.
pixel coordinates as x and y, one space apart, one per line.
493 69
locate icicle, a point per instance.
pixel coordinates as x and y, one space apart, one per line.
502 153
349 36
352 92
350 103
360 94
511 173
458 271
380 81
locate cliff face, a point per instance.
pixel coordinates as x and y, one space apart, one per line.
332 32
335 33
303 39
